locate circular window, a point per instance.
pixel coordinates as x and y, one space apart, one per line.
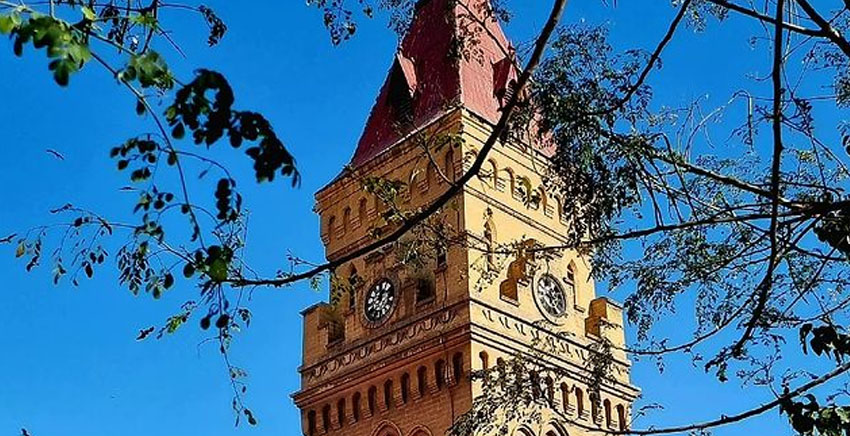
550 296
380 301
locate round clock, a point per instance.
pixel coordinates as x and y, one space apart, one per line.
380 301
550 297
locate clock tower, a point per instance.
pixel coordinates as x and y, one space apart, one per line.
392 355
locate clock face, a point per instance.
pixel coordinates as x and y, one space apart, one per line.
380 301
550 296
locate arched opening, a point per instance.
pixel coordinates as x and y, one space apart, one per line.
340 412
494 175
606 407
550 390
311 423
565 397
621 416
422 380
485 360
331 227
570 282
372 400
361 211
353 280
490 240
387 429
457 367
440 374
511 181
326 417
534 380
388 394
449 167
346 219
355 407
579 401
594 407
543 199
405 387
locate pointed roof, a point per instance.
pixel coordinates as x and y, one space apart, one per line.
454 53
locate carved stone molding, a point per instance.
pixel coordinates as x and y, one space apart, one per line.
388 342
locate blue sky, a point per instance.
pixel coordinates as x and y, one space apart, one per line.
70 363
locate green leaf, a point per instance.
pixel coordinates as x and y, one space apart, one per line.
8 23
89 14
218 270
22 248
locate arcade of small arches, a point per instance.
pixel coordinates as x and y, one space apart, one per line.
356 215
387 428
429 379
572 400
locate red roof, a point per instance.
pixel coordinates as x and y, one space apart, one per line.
450 56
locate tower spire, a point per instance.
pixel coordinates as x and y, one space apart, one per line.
453 54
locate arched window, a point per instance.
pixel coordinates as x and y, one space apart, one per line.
550 390
621 416
449 167
440 373
331 227
422 380
353 279
372 399
457 367
565 397
405 387
326 417
561 212
485 359
606 406
490 240
544 199
594 407
388 394
346 219
361 211
355 406
570 281
340 412
311 423
511 181
534 380
579 401
494 174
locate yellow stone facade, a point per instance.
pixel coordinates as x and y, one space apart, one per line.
408 375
